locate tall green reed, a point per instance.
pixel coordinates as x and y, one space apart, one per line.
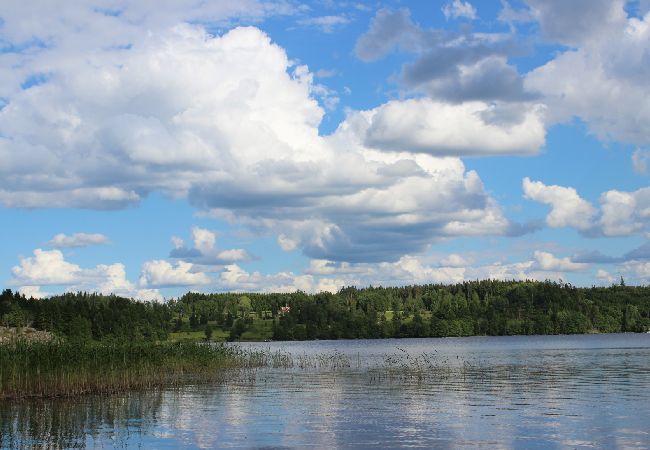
62 368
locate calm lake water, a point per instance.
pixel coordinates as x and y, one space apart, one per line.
521 392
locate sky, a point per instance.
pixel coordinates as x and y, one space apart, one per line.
152 148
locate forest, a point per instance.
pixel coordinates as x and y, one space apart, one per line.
487 307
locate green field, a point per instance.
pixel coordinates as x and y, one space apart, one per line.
258 330
218 335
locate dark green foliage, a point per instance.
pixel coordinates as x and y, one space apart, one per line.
487 307
237 329
472 308
194 321
89 316
79 328
208 332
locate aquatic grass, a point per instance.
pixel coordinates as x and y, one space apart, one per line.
68 368
400 368
406 368
62 368
425 367
278 359
334 361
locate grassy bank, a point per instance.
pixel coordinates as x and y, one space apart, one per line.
218 335
256 330
51 369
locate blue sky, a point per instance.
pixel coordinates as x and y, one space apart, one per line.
251 145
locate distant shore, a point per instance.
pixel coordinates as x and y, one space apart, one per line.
92 343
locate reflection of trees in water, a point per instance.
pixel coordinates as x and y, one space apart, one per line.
72 422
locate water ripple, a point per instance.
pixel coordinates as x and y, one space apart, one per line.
532 392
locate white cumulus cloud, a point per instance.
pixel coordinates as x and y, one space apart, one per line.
605 277
621 213
160 273
549 262
603 77
625 213
454 260
205 251
235 278
32 292
568 209
49 268
46 268
443 129
230 123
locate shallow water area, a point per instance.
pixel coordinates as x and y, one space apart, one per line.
523 391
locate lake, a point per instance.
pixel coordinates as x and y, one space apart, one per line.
521 391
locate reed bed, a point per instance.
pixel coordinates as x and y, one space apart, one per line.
332 361
400 367
430 367
64 368
60 368
324 361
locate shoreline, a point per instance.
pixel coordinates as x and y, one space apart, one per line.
58 369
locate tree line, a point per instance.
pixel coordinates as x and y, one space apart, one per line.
87 316
487 307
